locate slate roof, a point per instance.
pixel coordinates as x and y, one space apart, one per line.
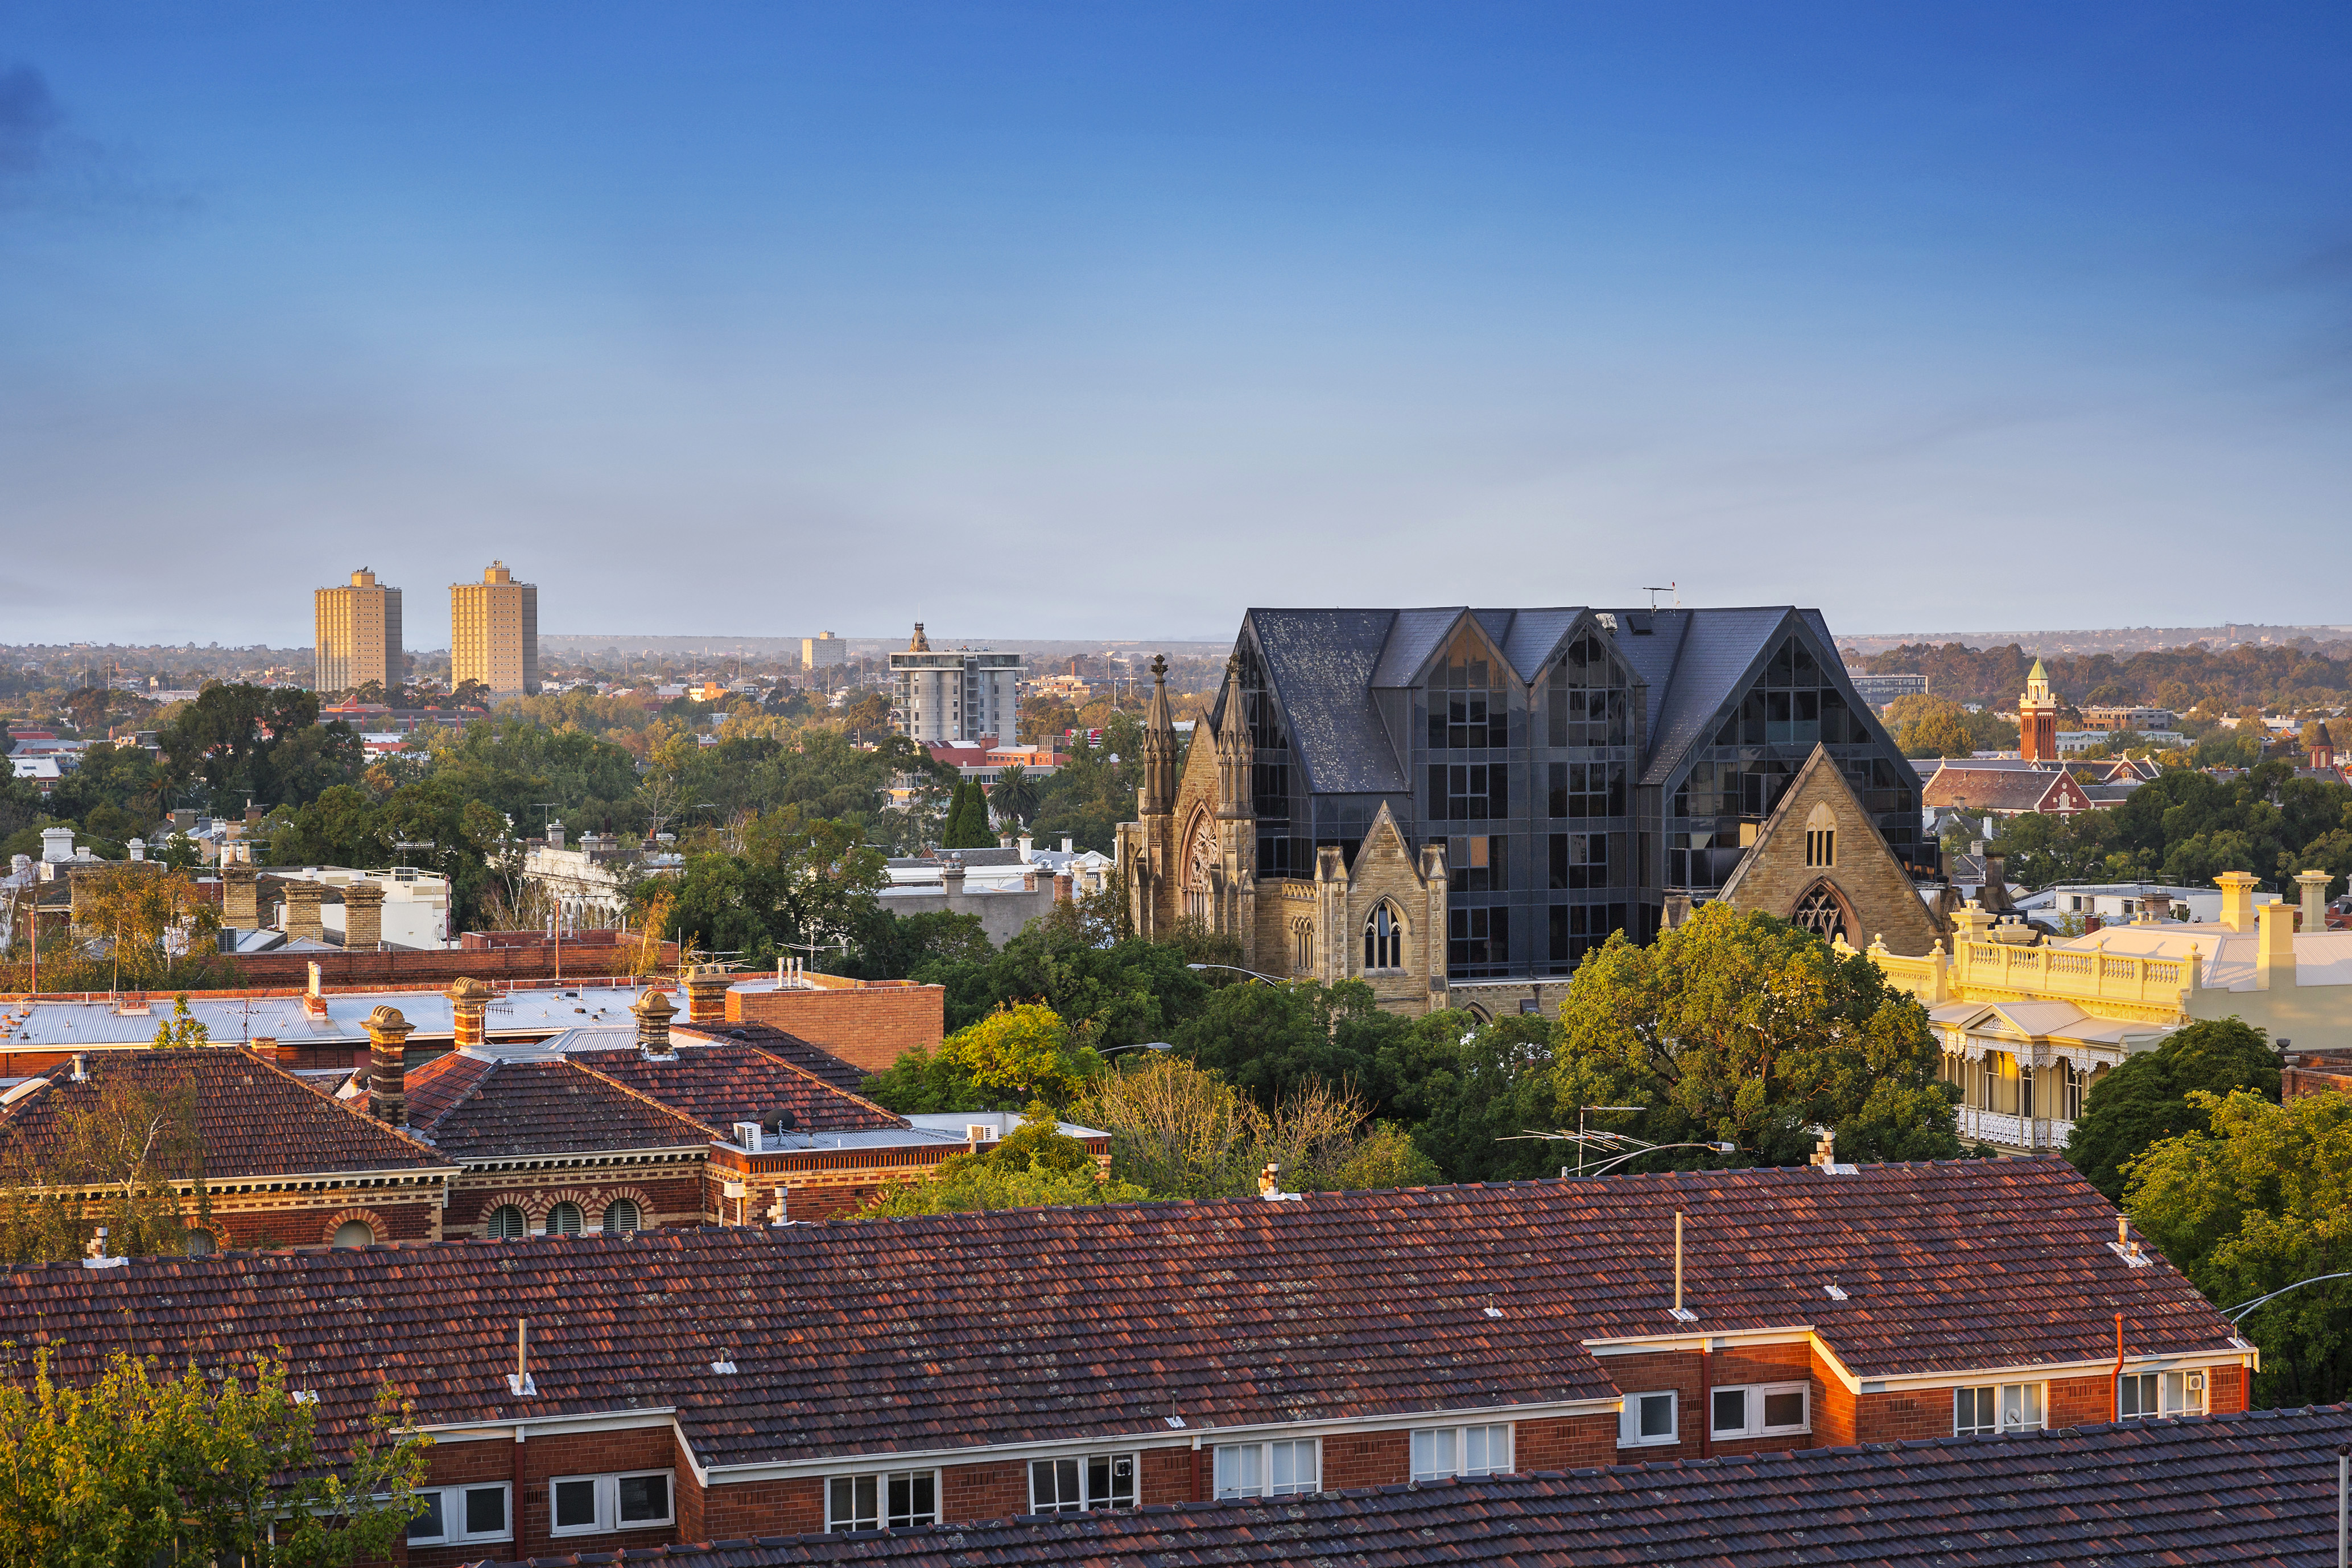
723 1082
252 1116
849 1076
1102 1322
495 1104
2254 1488
1323 665
489 1109
1320 664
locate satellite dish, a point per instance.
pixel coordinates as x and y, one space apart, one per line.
786 1121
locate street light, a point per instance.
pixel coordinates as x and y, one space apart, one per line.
1237 969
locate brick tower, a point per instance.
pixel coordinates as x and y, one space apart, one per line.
2037 717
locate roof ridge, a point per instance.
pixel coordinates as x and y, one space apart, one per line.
490 1066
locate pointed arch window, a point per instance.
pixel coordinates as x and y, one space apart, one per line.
1821 837
1823 912
1383 939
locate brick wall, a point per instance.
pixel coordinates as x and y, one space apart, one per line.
307 1223
1903 1414
665 1195
2080 1401
2225 1390
1364 1459
1570 1443
1171 1475
971 1492
434 969
795 1507
870 1026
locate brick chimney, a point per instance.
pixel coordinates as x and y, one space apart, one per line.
314 993
363 917
2313 885
388 1066
1061 887
303 911
654 1011
240 898
706 993
470 1000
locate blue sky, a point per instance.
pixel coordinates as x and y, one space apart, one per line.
1110 320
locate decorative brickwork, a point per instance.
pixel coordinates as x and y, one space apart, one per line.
870 1026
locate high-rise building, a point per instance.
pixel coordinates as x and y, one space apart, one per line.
494 633
823 652
356 636
946 696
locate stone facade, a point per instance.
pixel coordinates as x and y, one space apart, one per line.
1191 859
1819 861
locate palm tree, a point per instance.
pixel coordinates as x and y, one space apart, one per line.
1014 795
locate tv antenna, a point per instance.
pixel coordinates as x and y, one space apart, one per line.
1653 594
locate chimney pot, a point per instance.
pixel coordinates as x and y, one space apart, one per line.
654 1011
388 1032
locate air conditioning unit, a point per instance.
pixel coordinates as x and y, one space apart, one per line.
2196 1382
747 1135
980 1132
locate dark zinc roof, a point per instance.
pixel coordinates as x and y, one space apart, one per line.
1320 663
2257 1487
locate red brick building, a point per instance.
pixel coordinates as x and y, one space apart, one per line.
281 1163
723 1382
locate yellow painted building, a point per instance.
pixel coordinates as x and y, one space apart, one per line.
2028 1027
494 633
356 636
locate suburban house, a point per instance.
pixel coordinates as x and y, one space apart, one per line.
596 1391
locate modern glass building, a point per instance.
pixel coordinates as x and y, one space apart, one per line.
1580 765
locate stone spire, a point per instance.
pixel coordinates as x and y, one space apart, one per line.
921 644
1158 794
1235 751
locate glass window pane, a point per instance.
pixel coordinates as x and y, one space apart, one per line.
1731 1410
486 1510
1784 1409
1657 1415
1432 1453
1238 1470
645 1497
426 1526
921 1501
575 1504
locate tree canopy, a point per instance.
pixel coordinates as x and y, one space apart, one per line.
2186 827
1037 1165
2257 1199
2148 1098
1742 1028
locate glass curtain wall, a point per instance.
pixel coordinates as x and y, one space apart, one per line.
1763 739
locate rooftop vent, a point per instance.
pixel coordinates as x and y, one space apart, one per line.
1834 1293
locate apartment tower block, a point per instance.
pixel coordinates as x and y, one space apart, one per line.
494 633
356 636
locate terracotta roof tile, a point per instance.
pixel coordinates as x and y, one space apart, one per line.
252 1116
542 1107
1101 1321
2256 1488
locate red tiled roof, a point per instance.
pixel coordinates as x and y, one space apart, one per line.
1101 1321
2254 1488
842 1075
722 1082
252 1118
539 1107
2001 789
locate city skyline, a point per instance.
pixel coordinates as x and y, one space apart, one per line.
2001 318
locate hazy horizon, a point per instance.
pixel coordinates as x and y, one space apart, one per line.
797 318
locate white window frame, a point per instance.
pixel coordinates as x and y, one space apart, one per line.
1457 1444
453 1512
1247 1470
1629 1419
2186 1391
1089 1502
608 1520
883 1518
2005 1398
1753 1406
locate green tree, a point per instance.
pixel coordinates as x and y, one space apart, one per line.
1037 1165
140 1467
1016 1055
1931 727
1014 795
115 1158
261 743
2259 1199
1742 1028
1116 992
967 824
182 1031
2149 1098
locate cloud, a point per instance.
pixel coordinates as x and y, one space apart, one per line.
29 117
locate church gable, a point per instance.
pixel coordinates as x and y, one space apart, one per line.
1818 861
